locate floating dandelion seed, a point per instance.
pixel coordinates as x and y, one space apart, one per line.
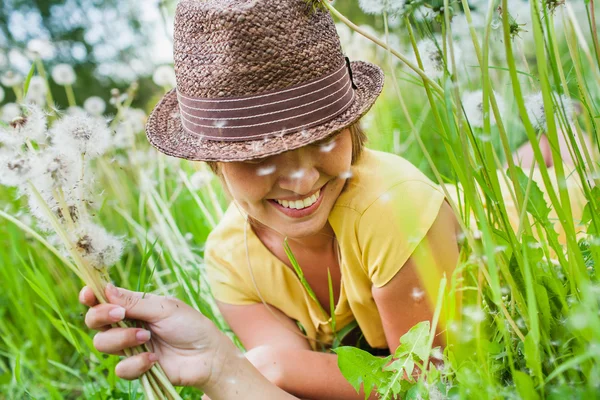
417 294
305 133
188 236
268 170
164 76
11 79
221 123
377 7
200 179
63 74
90 136
96 246
298 174
346 174
327 147
476 314
94 105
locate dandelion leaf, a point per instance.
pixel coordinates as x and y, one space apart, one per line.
525 385
589 212
415 341
544 309
532 354
361 368
536 204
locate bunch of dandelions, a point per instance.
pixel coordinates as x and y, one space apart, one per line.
50 165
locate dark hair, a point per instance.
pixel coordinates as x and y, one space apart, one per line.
359 138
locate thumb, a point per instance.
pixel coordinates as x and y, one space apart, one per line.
141 306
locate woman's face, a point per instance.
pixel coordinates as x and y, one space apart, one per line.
293 192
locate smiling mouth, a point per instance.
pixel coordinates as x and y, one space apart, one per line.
302 207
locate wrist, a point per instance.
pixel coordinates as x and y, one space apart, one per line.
223 363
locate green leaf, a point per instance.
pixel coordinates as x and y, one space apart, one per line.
532 354
525 386
28 79
541 295
588 210
536 205
17 371
415 341
360 367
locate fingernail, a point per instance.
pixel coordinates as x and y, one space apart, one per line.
117 313
142 335
112 289
152 357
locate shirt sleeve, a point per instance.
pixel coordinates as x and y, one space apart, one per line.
391 228
228 282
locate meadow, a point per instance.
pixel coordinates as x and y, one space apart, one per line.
467 84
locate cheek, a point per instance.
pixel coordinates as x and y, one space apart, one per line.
245 184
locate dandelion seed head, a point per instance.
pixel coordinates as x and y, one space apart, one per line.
11 79
200 179
164 76
63 74
377 7
15 169
58 168
94 105
473 106
41 48
417 294
37 87
96 246
30 124
89 136
267 170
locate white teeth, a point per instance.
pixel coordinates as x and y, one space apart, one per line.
299 204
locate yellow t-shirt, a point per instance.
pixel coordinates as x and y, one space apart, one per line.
385 210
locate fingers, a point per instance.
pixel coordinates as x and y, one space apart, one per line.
101 316
87 297
141 306
133 367
115 340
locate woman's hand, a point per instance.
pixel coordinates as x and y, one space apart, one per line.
188 346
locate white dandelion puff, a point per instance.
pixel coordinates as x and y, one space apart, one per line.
473 106
58 168
200 179
96 246
10 111
36 93
164 76
377 7
30 124
42 48
11 79
63 74
432 57
90 136
15 169
94 105
267 170
534 104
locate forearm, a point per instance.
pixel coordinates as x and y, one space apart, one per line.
313 375
238 378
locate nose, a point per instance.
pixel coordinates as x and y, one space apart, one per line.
299 173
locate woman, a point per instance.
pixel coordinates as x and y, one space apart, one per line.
265 95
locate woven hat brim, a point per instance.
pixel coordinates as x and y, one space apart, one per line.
165 132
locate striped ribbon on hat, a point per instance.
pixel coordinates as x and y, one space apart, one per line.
274 113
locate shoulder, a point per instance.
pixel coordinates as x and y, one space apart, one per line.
375 177
228 235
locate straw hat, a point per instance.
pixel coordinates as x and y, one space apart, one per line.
257 78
